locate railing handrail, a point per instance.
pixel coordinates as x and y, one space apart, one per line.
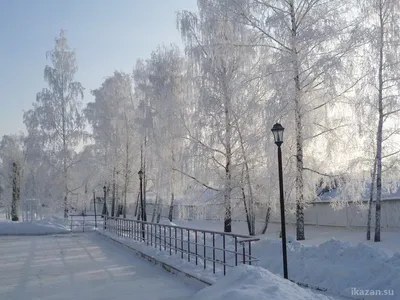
247 237
80 215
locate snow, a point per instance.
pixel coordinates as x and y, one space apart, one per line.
255 283
337 266
315 235
332 265
51 225
81 267
164 256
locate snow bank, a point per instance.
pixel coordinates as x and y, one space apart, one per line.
46 226
167 222
334 265
338 267
255 283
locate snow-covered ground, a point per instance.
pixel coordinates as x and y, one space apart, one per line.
51 225
81 267
390 240
90 265
255 283
341 268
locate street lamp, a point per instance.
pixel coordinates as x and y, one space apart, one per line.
140 173
94 206
277 130
104 213
105 208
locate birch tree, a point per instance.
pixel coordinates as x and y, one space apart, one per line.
56 113
382 85
12 160
160 86
307 41
218 66
112 118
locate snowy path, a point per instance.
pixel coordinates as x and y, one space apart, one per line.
81 267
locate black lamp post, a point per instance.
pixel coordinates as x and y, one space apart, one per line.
94 206
140 173
277 130
105 210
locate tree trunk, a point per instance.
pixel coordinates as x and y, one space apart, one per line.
143 163
113 196
15 192
118 210
250 213
171 204
64 142
137 205
125 189
153 215
159 210
228 161
267 215
248 220
126 164
379 137
299 137
371 197
171 208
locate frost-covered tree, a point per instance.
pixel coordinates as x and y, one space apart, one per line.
56 116
111 116
221 60
11 164
380 93
306 42
160 83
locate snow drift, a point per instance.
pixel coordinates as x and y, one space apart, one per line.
335 266
41 227
255 283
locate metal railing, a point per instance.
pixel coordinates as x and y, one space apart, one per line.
84 221
204 247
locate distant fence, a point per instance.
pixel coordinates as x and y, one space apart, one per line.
85 222
317 213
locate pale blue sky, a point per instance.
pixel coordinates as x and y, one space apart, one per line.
107 35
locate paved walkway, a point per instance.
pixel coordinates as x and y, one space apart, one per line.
81 267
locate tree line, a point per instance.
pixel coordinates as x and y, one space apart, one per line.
199 120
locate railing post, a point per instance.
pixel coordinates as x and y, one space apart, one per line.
151 235
170 240
224 254
236 251
159 236
71 223
181 243
165 238
176 241
204 249
249 252
188 245
195 241
213 238
244 253
147 233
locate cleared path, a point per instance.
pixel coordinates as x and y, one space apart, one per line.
81 267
